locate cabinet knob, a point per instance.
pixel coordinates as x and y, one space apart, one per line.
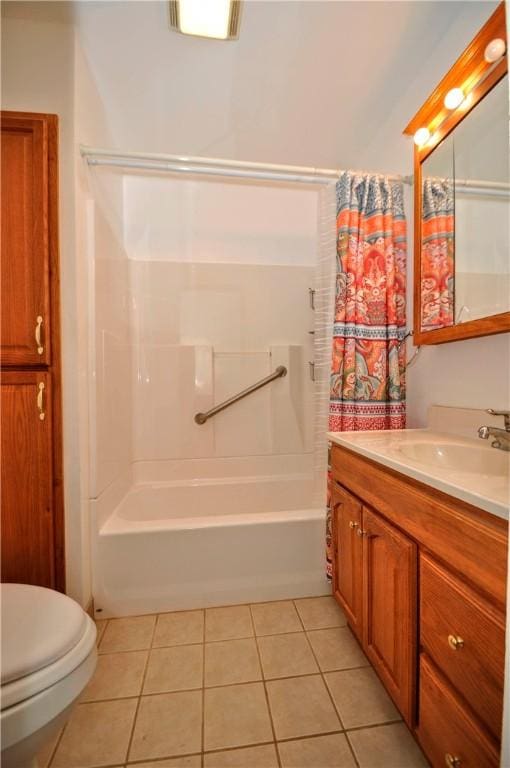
455 642
452 761
361 532
353 524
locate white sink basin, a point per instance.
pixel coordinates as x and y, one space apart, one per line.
459 457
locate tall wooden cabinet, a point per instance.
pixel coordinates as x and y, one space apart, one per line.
31 443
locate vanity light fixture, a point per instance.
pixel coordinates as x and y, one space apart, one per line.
218 19
421 136
454 98
494 50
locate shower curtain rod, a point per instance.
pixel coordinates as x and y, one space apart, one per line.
214 166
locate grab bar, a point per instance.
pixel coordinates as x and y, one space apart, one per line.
201 418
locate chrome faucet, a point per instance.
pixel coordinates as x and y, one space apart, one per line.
501 436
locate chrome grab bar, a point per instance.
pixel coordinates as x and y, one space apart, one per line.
201 418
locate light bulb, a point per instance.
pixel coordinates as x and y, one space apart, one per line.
494 50
454 98
421 136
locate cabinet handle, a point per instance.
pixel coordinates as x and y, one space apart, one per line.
361 532
452 761
455 642
40 404
353 524
39 322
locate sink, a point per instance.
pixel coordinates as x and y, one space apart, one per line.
458 457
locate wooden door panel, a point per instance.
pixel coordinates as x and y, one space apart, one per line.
447 731
26 474
390 608
24 267
347 565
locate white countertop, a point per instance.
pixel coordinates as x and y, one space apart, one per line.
490 492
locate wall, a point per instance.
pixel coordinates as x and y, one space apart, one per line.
220 273
474 373
37 76
44 70
103 307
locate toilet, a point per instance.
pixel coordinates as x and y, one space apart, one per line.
48 657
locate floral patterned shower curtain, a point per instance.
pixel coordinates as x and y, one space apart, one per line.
437 254
368 367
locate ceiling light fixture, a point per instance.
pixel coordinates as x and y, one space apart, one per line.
218 19
421 136
454 98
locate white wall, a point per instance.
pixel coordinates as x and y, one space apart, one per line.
474 373
43 70
37 76
220 273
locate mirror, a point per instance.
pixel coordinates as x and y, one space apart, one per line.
462 196
465 218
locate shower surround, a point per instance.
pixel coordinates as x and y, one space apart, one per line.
215 283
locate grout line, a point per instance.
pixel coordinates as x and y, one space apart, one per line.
202 759
268 705
373 725
353 753
143 694
139 699
208 608
219 750
156 760
57 744
335 708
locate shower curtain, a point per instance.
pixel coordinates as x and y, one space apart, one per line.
368 367
437 254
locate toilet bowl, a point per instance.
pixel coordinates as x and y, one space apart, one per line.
48 657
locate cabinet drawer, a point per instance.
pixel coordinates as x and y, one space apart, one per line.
465 637
447 732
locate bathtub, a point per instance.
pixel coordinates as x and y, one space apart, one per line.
193 543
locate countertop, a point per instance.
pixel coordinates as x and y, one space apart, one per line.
486 491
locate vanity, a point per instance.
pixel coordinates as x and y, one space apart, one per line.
419 518
420 568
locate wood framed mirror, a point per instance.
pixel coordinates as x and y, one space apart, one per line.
462 196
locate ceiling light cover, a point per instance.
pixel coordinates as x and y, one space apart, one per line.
421 136
218 19
454 98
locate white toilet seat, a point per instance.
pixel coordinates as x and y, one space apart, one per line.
48 657
30 685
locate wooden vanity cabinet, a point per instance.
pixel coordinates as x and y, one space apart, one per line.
389 608
374 578
421 577
347 559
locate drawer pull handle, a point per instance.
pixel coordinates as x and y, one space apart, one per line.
40 404
39 322
353 524
452 761
455 642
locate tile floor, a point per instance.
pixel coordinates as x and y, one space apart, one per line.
281 684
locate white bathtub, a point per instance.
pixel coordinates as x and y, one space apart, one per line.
216 541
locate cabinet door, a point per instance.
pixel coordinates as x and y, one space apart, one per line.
347 553
24 264
27 515
390 608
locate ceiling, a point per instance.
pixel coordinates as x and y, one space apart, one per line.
308 82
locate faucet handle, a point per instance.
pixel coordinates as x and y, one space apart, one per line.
505 414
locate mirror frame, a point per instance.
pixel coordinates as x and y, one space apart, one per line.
476 77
